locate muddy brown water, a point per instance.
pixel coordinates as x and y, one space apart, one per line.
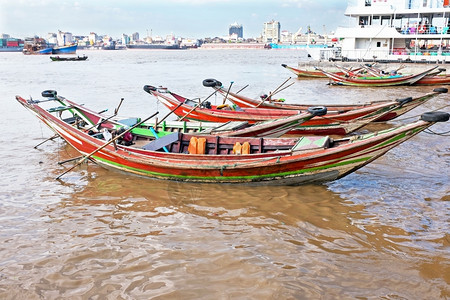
380 233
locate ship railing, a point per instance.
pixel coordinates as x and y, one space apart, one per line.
418 30
422 52
365 54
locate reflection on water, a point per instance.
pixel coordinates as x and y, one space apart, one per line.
381 233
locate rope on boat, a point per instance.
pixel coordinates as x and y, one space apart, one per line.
429 131
415 116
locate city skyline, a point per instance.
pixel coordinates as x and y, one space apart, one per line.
194 19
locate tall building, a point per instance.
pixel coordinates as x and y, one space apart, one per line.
92 38
64 38
135 37
272 32
125 39
236 29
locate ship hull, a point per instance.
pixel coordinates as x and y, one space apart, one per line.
154 47
65 50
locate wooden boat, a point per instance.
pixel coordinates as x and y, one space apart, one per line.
246 102
377 81
333 123
436 77
443 79
307 73
302 73
270 128
72 58
233 160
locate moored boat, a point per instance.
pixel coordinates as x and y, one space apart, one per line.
37 46
377 81
443 79
303 73
269 103
392 31
69 49
215 159
270 128
333 123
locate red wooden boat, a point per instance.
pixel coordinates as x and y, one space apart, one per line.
443 79
432 78
302 73
307 73
214 159
438 77
377 81
333 123
270 128
246 102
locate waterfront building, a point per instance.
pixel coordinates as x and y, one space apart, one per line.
93 38
52 38
189 43
236 29
64 38
396 30
125 39
135 37
272 32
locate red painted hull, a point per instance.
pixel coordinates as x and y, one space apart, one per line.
246 102
317 74
377 82
270 128
434 80
292 165
333 123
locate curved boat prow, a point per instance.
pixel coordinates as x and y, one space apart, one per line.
149 88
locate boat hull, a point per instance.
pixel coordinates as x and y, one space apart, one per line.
154 47
246 102
65 50
78 58
287 167
434 80
377 81
335 123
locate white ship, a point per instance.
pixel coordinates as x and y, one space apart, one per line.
393 31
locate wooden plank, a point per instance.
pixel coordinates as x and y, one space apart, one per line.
161 142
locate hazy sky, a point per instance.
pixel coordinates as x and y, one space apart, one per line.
185 18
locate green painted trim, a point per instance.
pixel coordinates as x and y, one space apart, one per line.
237 178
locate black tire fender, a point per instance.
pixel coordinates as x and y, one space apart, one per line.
441 90
435 116
317 110
49 94
149 88
210 82
404 100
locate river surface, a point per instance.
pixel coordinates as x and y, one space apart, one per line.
379 233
